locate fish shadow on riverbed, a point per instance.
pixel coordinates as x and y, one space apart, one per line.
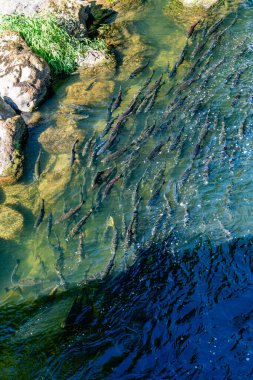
99 16
27 215
2 196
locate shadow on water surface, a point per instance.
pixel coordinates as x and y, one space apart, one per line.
169 316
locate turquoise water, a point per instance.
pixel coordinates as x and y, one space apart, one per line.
163 271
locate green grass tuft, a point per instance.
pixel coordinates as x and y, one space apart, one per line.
50 41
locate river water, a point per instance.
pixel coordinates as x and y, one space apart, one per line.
156 283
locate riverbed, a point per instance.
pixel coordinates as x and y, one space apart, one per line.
140 266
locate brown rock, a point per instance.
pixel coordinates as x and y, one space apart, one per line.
24 77
13 132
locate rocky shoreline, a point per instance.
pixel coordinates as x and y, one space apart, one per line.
26 77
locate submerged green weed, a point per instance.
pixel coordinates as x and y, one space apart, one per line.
50 41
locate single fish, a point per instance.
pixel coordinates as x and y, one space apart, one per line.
186 215
49 224
123 226
185 177
37 167
53 292
187 83
226 232
222 135
242 127
159 222
14 277
115 241
115 155
179 61
202 135
89 87
176 194
136 192
233 157
62 279
156 151
117 101
110 185
92 158
199 47
207 170
168 207
138 70
73 153
41 215
192 28
155 193
58 250
70 212
131 233
109 267
79 225
80 248
192 69
43 266
109 111
26 283
148 80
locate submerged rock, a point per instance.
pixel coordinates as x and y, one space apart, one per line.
55 179
91 58
59 139
11 223
13 132
24 77
100 91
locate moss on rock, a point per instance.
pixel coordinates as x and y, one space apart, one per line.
11 223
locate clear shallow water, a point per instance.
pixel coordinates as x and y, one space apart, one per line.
176 303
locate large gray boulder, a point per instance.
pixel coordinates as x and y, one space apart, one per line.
91 58
24 77
28 8
32 7
199 3
76 10
13 133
